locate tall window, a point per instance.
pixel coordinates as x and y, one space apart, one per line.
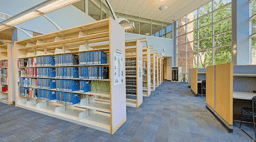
204 36
253 31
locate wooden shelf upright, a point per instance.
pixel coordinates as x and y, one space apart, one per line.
103 105
157 70
134 75
5 68
147 71
153 69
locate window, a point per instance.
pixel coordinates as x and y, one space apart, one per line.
197 44
253 32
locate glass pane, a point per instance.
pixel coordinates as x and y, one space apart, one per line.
145 28
191 46
181 60
205 9
80 5
192 36
222 55
222 26
169 28
181 22
220 3
222 13
223 39
253 7
205 43
169 35
191 60
254 26
206 20
192 26
205 58
181 31
181 48
156 29
253 43
205 32
181 40
164 32
94 10
192 16
157 34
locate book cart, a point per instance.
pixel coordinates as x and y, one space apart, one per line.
133 66
153 69
146 71
76 74
5 67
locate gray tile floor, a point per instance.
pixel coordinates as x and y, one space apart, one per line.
171 113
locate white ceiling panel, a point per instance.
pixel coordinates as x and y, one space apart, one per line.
150 8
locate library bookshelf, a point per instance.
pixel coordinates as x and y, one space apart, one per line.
76 74
146 71
133 66
6 80
157 69
153 69
161 69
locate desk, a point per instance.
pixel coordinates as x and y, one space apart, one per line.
243 95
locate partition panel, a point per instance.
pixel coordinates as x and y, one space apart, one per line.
194 80
210 85
224 92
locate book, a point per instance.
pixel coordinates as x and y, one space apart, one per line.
85 86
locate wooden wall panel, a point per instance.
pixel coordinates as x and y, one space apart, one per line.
224 92
210 86
194 80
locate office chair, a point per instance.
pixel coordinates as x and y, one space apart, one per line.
248 113
204 87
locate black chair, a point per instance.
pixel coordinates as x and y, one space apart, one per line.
204 87
248 114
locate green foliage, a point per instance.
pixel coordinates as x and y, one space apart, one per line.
222 54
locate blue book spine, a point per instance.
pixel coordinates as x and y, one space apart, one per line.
52 95
81 62
80 72
92 57
89 72
74 85
71 58
61 72
85 86
65 72
75 98
52 84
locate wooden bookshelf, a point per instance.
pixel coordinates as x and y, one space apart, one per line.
134 75
157 70
153 69
5 58
146 72
101 110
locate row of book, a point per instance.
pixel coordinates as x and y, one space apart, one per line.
45 61
94 72
67 72
4 80
28 72
97 57
66 60
3 72
4 64
46 72
60 97
62 85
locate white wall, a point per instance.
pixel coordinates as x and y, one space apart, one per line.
158 43
66 17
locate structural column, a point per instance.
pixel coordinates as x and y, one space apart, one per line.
240 32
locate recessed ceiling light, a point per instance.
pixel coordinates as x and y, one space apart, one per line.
163 7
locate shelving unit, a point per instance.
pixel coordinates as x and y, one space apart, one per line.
89 86
6 80
153 69
134 75
161 69
146 72
157 69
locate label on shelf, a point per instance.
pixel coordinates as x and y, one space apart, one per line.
118 69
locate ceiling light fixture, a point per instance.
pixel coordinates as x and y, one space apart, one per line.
128 26
163 7
36 11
